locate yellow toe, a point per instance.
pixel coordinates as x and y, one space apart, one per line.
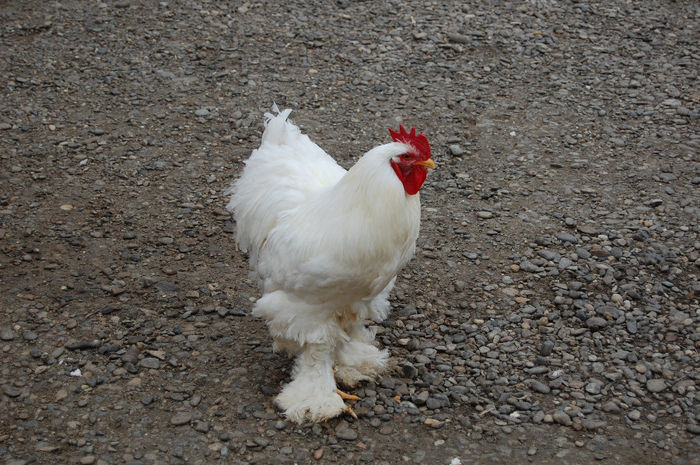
346 396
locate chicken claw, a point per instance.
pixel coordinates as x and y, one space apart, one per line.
346 396
347 409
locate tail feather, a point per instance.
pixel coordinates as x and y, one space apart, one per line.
281 174
277 129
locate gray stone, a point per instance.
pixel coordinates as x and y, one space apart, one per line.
611 407
456 149
181 418
201 426
546 348
150 362
280 425
596 323
386 429
83 345
656 385
588 228
566 237
593 424
594 386
6 333
421 398
548 254
345 432
261 441
433 403
562 418
540 387
583 253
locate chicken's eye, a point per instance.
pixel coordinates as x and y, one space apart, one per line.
405 156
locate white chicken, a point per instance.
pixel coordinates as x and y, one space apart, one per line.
326 245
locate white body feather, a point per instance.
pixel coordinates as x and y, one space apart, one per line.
326 244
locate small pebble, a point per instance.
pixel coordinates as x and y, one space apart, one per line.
345 432
181 418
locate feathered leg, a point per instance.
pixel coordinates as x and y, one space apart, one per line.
312 393
358 359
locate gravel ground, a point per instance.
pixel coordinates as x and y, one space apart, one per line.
550 316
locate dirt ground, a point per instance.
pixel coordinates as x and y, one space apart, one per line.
550 315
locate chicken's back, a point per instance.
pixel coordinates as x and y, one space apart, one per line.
278 176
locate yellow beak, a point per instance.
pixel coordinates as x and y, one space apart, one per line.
429 163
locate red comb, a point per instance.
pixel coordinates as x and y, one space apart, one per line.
417 141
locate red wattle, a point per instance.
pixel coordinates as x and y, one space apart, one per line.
412 177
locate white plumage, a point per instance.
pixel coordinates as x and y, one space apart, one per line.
326 244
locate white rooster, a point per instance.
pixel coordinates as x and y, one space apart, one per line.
327 244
